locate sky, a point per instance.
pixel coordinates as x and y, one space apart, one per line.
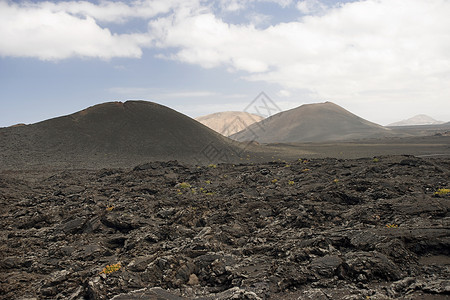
384 60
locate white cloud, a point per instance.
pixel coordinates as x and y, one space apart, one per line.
112 11
232 5
30 31
311 7
284 93
59 30
259 19
237 5
367 50
208 41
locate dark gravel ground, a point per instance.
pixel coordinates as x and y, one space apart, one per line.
305 229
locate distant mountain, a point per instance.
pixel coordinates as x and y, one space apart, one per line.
229 122
311 123
18 125
133 131
417 120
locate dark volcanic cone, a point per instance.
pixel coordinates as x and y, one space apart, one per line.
311 123
133 131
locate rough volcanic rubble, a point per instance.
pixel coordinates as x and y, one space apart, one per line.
308 229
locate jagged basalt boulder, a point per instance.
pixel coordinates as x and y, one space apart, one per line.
364 266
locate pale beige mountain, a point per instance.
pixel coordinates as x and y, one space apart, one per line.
417 120
229 122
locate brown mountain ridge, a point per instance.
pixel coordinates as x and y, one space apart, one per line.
317 122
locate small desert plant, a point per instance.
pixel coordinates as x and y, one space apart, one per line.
208 181
291 182
375 160
306 170
184 185
336 180
111 268
110 208
442 192
274 180
212 166
391 225
206 192
287 166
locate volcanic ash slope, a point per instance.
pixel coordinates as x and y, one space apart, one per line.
112 134
317 122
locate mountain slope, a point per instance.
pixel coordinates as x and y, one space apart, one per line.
229 122
112 132
311 123
417 120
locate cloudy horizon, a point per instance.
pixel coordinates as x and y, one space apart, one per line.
384 60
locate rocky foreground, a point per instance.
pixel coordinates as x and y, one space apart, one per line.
317 229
